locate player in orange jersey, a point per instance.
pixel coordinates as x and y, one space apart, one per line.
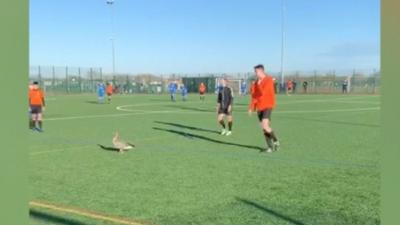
202 90
263 101
109 91
289 87
36 105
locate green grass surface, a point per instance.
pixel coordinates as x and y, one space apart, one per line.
182 172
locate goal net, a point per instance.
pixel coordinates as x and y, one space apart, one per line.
238 86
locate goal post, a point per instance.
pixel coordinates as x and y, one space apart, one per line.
238 86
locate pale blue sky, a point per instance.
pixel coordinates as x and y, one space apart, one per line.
197 36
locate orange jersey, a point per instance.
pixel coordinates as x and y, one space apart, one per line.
252 88
263 95
36 97
202 88
109 89
253 96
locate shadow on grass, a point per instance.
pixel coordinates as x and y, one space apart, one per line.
271 212
189 108
49 218
97 102
92 102
329 121
189 135
108 148
187 127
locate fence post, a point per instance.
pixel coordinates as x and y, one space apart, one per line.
80 79
333 81
127 85
66 79
39 76
374 82
351 83
315 81
91 80
53 82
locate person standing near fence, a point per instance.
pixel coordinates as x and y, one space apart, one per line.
263 101
344 86
31 123
305 85
202 91
294 86
243 87
289 87
172 90
275 85
101 91
36 105
109 90
184 92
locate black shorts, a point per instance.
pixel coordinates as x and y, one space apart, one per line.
109 94
224 111
202 93
36 109
264 114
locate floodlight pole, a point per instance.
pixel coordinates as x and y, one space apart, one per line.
283 42
111 4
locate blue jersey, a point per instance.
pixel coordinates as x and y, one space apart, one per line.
244 86
184 91
101 90
172 88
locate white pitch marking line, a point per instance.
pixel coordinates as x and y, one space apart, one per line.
331 110
195 112
141 112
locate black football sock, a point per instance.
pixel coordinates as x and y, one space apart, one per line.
268 139
230 125
31 124
222 123
40 124
273 136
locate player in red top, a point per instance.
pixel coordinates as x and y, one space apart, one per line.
263 101
36 106
109 91
289 87
202 90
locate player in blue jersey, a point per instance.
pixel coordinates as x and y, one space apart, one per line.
172 87
184 92
101 91
243 87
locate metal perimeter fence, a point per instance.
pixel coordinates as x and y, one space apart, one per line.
74 80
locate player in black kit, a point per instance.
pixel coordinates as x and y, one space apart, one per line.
224 107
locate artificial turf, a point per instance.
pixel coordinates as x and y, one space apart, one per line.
183 172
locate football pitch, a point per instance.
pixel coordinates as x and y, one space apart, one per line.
183 171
